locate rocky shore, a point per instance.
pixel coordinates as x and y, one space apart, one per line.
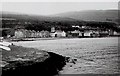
31 63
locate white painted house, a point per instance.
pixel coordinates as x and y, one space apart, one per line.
19 33
58 33
87 33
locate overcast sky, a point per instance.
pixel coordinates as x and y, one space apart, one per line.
48 8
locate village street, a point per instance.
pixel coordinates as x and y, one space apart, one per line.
94 55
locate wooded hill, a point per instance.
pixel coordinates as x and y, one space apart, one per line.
35 22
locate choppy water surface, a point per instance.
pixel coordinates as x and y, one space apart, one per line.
94 55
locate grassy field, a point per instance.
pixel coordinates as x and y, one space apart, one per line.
94 55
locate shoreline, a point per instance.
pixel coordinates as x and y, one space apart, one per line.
46 63
50 67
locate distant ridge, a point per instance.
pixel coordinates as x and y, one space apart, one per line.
92 15
29 17
36 22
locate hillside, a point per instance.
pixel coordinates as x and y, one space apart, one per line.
29 17
63 22
92 15
36 22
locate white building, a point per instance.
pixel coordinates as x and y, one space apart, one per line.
58 33
19 33
88 33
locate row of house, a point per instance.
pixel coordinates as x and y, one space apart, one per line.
23 33
83 32
92 33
